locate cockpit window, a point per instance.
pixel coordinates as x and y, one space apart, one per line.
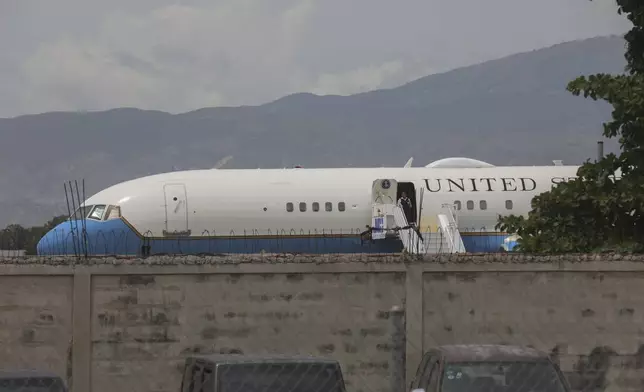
97 212
113 212
81 212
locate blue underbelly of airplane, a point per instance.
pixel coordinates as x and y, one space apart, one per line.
115 237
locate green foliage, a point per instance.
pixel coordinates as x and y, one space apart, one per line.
603 208
16 237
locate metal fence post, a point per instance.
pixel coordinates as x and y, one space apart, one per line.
398 350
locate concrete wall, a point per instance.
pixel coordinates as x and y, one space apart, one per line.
36 322
12 253
133 321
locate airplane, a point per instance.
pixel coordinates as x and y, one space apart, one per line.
455 204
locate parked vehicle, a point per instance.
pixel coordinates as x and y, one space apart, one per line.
261 373
30 381
488 368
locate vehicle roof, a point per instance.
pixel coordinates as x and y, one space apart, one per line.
490 352
260 358
26 373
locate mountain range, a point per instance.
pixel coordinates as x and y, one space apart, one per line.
510 111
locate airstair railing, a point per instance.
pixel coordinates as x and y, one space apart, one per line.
453 235
409 235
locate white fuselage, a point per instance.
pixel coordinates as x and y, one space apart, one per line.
234 202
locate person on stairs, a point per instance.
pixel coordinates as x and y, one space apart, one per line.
405 203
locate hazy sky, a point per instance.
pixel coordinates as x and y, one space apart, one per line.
179 55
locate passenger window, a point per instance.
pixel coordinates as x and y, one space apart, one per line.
289 207
316 206
508 204
341 206
302 207
483 205
470 205
457 204
328 206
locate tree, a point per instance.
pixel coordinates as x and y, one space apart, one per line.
603 208
16 237
13 237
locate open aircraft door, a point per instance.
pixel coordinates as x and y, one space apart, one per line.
176 210
383 201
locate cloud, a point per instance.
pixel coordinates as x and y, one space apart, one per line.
68 75
175 58
386 75
182 55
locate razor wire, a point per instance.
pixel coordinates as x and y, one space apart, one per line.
78 242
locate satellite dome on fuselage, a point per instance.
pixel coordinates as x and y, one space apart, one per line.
458 162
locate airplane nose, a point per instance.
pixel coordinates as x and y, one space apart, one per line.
42 248
47 244
55 241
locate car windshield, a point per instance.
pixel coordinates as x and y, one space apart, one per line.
501 377
282 377
32 384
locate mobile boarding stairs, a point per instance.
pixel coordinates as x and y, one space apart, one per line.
388 220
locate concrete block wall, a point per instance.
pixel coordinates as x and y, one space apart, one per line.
127 324
571 314
36 322
143 326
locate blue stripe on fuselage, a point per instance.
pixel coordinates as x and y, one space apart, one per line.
115 237
483 242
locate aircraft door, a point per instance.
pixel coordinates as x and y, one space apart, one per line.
176 210
383 201
384 191
410 190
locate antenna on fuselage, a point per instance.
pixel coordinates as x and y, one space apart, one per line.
409 162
